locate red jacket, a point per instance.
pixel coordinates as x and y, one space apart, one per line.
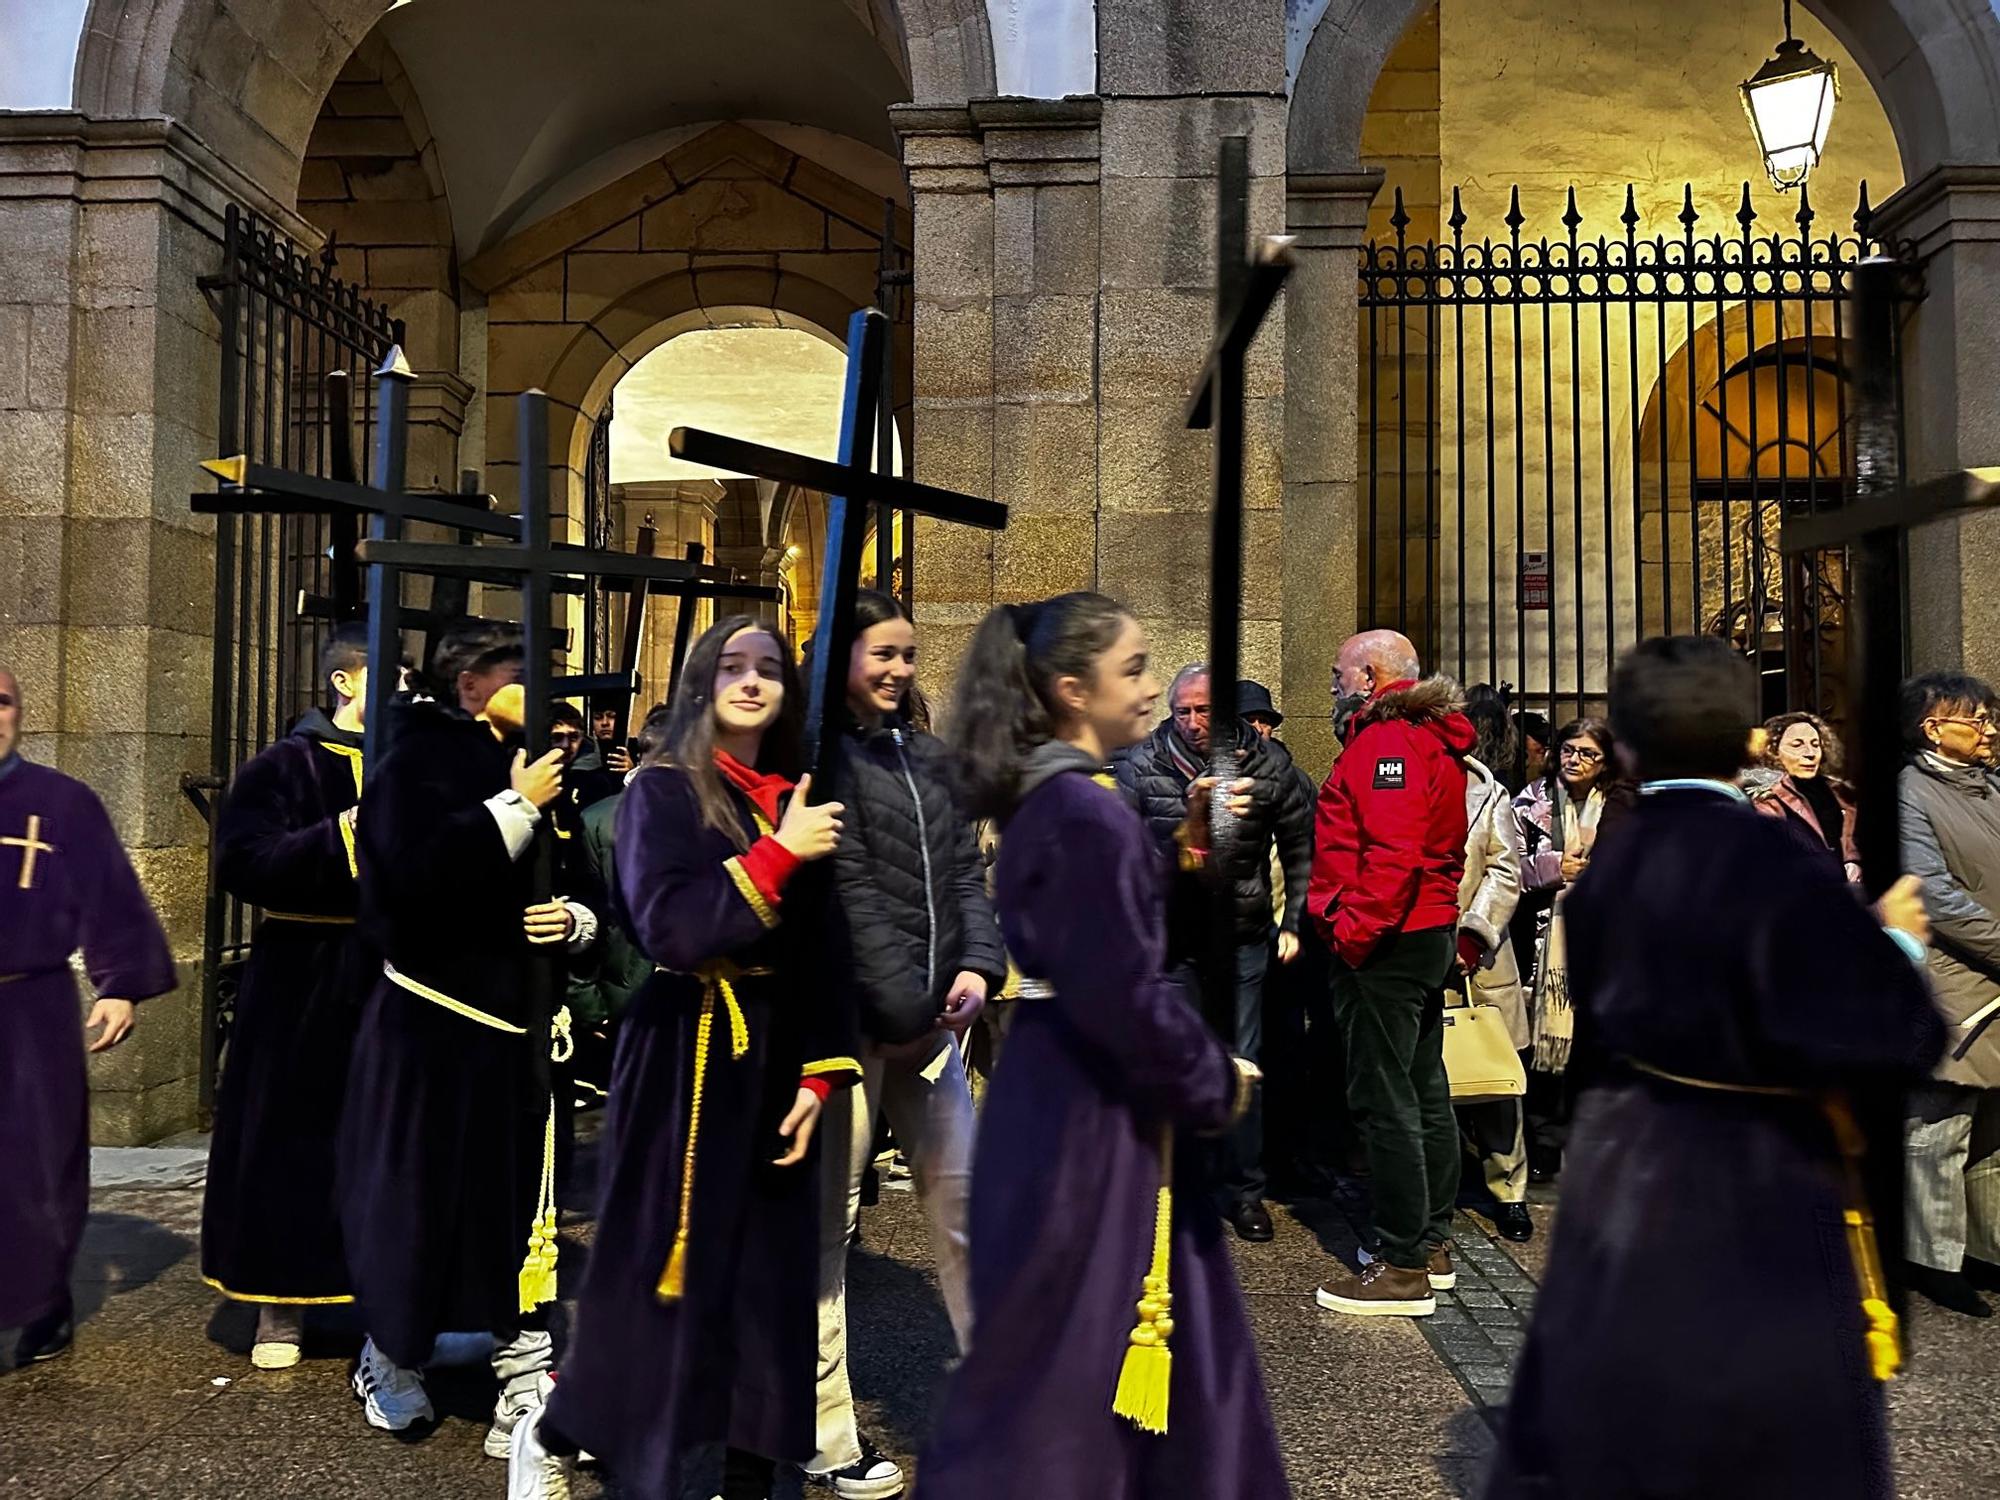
1389 845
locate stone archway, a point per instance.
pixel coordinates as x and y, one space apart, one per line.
1932 63
254 98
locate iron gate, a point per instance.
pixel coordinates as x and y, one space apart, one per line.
281 582
1573 443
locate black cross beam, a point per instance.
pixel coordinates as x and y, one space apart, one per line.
851 485
1244 293
1873 524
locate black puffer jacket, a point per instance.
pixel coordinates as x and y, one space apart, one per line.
1281 808
912 887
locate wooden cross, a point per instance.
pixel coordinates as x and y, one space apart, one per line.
1244 293
851 486
539 567
30 846
1873 525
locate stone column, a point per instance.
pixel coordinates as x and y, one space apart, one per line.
1175 79
1042 156
108 390
1328 217
952 411
1951 408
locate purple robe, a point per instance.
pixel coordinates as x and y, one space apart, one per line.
270 1231
733 1359
65 884
1699 1334
441 1144
1064 1190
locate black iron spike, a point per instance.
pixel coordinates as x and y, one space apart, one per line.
1399 219
1457 219
1630 218
1746 215
1689 218
1571 218
1805 213
1515 218
1864 216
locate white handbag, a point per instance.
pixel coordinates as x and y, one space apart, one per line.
1479 1055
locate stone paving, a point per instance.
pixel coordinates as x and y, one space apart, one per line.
159 1402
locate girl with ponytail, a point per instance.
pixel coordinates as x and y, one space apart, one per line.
1074 1219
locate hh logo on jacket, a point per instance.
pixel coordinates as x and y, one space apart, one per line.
1389 774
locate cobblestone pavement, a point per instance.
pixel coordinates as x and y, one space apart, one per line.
159 1400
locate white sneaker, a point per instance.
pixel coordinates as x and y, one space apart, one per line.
533 1473
520 1398
393 1398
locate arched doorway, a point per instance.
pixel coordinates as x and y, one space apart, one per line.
1553 353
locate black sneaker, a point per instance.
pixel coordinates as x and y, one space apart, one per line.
47 1337
872 1477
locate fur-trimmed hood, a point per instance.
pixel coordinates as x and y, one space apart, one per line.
1433 703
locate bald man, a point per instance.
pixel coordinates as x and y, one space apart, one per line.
65 884
1389 852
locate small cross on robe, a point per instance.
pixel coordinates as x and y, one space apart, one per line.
31 846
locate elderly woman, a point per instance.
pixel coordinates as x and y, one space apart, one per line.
1812 800
1951 842
1561 815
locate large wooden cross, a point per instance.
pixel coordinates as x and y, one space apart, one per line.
531 562
851 486
1245 289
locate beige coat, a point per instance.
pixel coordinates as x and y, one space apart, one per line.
1488 894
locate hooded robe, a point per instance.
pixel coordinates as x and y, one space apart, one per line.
270 1229
711 1055
1700 1333
446 1138
1105 1053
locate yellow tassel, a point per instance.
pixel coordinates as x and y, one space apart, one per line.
1146 1377
1885 1350
673 1280
538 1271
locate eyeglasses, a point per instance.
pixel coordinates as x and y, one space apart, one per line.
1978 721
1582 754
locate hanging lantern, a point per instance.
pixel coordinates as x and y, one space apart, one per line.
1790 104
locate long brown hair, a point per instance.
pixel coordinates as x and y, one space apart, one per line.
689 743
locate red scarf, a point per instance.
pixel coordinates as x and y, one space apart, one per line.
763 791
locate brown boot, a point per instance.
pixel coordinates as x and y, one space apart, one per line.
1443 1277
1380 1290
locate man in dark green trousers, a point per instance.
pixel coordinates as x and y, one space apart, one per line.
1389 851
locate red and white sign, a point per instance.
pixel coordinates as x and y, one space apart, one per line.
1536 581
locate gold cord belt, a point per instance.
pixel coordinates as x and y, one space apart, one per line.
538 1270
718 981
1885 1354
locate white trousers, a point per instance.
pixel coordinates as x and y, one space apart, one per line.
933 1120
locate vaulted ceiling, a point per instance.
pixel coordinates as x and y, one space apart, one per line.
523 95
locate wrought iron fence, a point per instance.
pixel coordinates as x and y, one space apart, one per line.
1573 443
291 329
